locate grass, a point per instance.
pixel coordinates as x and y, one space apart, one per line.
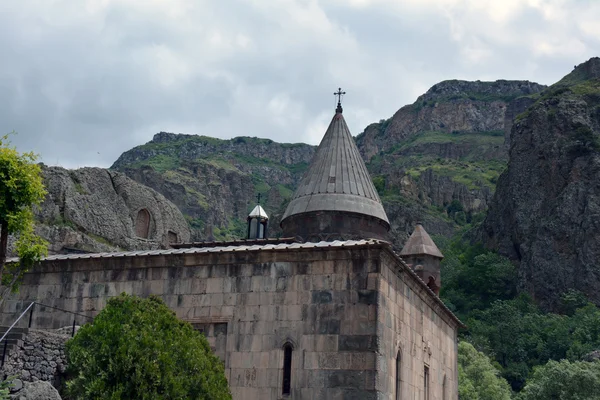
235 229
572 85
79 188
285 191
100 239
473 175
159 162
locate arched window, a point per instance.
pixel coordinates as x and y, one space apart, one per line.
398 376
426 383
444 388
287 369
142 224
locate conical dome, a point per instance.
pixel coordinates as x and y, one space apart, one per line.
420 243
336 197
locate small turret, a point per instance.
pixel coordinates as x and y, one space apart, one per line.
423 256
258 221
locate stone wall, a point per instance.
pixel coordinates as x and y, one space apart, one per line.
40 357
413 327
329 303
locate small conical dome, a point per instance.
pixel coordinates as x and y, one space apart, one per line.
258 212
336 197
420 243
258 222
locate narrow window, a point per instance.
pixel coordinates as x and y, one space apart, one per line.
444 388
398 376
426 383
287 368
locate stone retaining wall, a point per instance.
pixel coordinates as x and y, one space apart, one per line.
40 357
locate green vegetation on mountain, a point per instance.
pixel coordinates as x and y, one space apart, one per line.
480 286
216 182
563 380
478 379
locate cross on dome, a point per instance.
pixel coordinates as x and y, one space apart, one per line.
339 94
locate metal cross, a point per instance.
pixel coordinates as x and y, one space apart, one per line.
339 94
258 198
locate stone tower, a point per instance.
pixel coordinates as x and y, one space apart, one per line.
336 199
423 256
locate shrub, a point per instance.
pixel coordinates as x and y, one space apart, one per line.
138 349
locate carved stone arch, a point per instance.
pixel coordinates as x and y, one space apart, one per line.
287 340
399 362
142 223
286 370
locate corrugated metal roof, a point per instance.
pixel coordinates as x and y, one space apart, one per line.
420 243
215 249
337 179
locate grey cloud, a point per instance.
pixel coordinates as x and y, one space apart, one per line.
81 89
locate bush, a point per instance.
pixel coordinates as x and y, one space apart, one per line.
138 349
477 377
563 380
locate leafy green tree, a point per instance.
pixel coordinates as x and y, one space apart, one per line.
473 278
477 377
138 349
519 336
584 328
563 380
21 188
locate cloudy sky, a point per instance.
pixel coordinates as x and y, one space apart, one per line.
82 81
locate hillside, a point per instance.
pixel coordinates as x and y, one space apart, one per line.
546 212
215 182
436 160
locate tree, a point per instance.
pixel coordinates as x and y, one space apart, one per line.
21 188
138 349
563 380
477 377
473 278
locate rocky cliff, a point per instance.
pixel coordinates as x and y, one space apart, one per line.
215 182
449 107
94 209
443 154
434 161
545 214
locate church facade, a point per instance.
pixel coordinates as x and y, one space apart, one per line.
329 312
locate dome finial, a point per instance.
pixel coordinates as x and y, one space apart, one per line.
339 94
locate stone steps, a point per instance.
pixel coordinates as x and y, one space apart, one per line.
15 338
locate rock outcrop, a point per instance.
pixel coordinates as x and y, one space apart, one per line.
38 390
215 182
94 209
449 106
545 214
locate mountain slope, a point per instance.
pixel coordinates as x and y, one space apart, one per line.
436 161
215 182
545 214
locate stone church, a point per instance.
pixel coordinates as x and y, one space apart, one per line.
329 311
